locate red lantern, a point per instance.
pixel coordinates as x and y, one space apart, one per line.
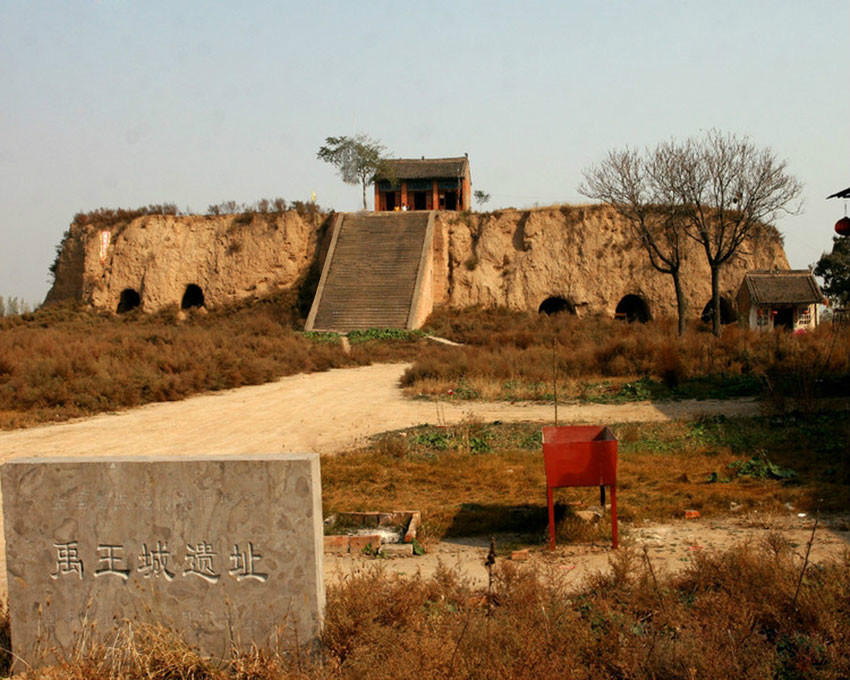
842 227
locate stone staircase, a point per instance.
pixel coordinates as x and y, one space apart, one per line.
373 272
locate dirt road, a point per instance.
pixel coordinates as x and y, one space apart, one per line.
319 412
670 547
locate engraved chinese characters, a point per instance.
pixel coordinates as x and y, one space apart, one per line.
68 560
243 564
110 559
236 542
199 558
154 562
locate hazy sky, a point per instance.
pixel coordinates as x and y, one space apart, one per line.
121 104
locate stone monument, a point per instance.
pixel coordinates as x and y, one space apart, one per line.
227 551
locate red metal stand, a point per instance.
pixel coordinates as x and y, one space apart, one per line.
580 455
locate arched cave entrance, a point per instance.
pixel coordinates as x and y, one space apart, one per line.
556 305
130 299
632 308
727 312
193 297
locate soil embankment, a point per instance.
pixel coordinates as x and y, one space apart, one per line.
585 256
157 257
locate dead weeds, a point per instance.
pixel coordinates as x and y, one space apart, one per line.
728 615
481 478
510 355
66 361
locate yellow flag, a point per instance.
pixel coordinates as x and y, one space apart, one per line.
314 197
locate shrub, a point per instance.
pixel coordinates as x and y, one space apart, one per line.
64 361
506 347
729 615
101 216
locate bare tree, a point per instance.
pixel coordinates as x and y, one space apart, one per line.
358 159
637 185
718 189
730 191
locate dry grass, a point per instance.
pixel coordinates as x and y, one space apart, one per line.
478 479
728 615
510 355
62 362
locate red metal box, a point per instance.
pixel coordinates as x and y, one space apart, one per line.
580 455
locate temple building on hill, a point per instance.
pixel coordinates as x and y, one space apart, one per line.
425 184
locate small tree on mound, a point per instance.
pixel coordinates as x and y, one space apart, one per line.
719 189
358 159
481 197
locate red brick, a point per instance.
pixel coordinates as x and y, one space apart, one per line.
359 543
691 514
413 527
391 519
336 544
519 555
366 519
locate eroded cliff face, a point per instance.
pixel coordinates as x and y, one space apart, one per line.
229 257
513 258
585 255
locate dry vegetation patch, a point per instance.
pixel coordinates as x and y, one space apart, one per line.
479 478
513 355
62 362
728 615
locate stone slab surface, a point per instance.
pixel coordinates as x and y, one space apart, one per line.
397 549
226 550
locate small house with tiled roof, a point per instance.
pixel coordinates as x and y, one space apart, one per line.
424 184
779 299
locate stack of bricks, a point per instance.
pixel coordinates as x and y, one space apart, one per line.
365 542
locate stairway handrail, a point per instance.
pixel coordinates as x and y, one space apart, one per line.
314 308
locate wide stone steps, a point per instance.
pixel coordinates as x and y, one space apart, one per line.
370 279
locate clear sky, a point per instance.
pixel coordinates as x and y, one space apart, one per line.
120 104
